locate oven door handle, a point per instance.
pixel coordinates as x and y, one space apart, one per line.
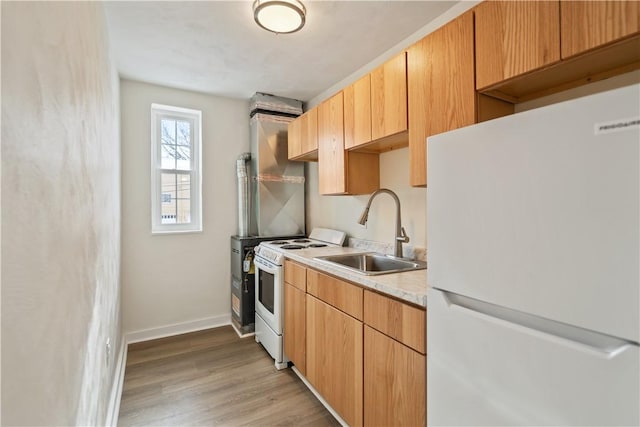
265 265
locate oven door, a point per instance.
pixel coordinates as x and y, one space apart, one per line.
269 288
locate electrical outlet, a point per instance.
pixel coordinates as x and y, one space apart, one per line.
108 351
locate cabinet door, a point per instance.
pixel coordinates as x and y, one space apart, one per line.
589 24
309 131
441 88
357 113
331 154
334 358
394 382
339 171
515 37
294 326
389 98
294 141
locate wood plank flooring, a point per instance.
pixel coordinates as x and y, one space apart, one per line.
213 377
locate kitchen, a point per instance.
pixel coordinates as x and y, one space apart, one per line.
41 330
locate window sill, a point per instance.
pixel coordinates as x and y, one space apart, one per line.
163 232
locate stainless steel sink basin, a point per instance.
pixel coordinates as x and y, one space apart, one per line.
372 263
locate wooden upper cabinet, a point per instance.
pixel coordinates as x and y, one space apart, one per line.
389 98
357 113
339 171
589 24
441 89
303 137
309 133
515 37
331 154
294 138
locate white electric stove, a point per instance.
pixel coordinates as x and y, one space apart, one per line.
269 262
274 250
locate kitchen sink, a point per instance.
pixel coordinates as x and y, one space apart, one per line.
372 263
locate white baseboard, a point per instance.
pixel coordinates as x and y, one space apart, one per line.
113 410
178 328
320 398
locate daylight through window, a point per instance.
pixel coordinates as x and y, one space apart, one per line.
176 179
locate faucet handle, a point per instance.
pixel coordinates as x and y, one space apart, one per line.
403 236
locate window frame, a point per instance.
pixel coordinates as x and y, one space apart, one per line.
158 113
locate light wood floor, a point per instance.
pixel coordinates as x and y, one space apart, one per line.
213 377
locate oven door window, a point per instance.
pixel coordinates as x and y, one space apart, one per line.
266 290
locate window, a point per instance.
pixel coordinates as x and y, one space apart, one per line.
175 169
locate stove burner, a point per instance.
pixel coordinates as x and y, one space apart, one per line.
317 245
279 242
292 247
302 241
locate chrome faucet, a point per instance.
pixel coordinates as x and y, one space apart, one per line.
401 235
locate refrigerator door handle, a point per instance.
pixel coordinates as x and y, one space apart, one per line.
600 344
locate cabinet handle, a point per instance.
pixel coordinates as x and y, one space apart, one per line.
603 345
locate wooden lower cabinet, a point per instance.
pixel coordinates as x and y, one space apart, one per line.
371 377
394 382
334 358
295 326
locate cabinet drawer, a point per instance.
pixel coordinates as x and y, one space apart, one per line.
342 295
295 275
400 321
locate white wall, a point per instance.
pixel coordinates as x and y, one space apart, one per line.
343 212
60 214
178 282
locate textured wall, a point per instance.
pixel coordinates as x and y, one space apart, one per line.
343 212
60 214
175 279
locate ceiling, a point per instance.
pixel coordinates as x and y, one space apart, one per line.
216 47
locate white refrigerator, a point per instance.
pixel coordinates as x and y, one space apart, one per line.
533 225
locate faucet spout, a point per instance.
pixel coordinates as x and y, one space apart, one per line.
401 236
365 216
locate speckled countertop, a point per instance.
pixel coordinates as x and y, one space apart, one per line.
410 286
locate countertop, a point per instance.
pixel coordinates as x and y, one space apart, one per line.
409 286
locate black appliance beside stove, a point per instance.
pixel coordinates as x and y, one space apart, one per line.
243 282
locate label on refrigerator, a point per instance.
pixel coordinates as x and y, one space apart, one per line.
616 125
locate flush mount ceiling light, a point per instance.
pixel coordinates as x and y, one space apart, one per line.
279 16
